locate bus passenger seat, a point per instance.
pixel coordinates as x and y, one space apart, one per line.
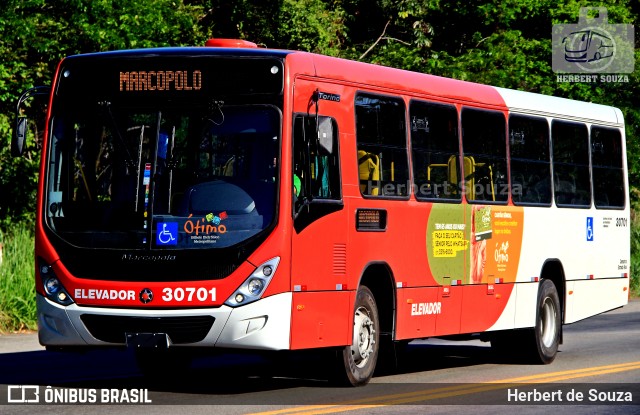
369 172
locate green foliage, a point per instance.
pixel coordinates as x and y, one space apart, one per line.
310 25
20 202
635 257
17 287
36 34
18 182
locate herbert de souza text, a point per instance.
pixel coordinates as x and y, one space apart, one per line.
571 395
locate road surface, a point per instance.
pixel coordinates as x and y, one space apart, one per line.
600 359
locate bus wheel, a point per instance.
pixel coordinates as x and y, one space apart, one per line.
357 362
535 345
546 334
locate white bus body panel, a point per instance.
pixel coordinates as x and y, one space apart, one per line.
596 271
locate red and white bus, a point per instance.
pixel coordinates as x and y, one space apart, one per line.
230 196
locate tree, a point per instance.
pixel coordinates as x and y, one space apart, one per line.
502 43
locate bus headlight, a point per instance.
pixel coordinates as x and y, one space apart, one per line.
255 285
53 288
52 285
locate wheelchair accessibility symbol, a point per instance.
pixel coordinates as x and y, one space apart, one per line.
167 233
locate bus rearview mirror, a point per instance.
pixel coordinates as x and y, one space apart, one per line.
19 136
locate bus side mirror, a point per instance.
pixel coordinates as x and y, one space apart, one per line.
19 136
325 135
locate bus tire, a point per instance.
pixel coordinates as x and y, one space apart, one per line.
543 347
357 362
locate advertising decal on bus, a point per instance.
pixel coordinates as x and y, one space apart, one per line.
486 251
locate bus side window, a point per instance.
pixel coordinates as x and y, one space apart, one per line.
530 160
485 154
381 137
435 151
608 173
316 167
572 183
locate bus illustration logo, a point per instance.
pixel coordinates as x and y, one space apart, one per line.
587 46
167 233
593 45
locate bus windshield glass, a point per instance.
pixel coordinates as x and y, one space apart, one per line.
161 176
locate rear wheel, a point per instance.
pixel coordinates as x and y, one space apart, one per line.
546 336
357 362
540 343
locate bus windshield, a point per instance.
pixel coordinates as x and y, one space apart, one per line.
160 177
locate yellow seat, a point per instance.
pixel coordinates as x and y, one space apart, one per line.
369 171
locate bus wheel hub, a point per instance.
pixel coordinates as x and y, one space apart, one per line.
363 337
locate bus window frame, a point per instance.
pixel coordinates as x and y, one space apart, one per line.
457 183
312 208
400 99
622 168
464 156
585 128
549 159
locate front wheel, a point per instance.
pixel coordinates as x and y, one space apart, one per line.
357 362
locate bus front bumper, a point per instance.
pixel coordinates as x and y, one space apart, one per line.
264 324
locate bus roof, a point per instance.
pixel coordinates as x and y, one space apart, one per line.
392 79
454 90
187 51
398 80
546 105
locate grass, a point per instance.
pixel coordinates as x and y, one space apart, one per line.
17 287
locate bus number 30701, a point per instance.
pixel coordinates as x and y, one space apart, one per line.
188 294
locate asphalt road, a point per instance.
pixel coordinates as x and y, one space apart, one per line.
600 359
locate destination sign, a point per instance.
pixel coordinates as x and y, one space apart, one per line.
141 79
161 80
